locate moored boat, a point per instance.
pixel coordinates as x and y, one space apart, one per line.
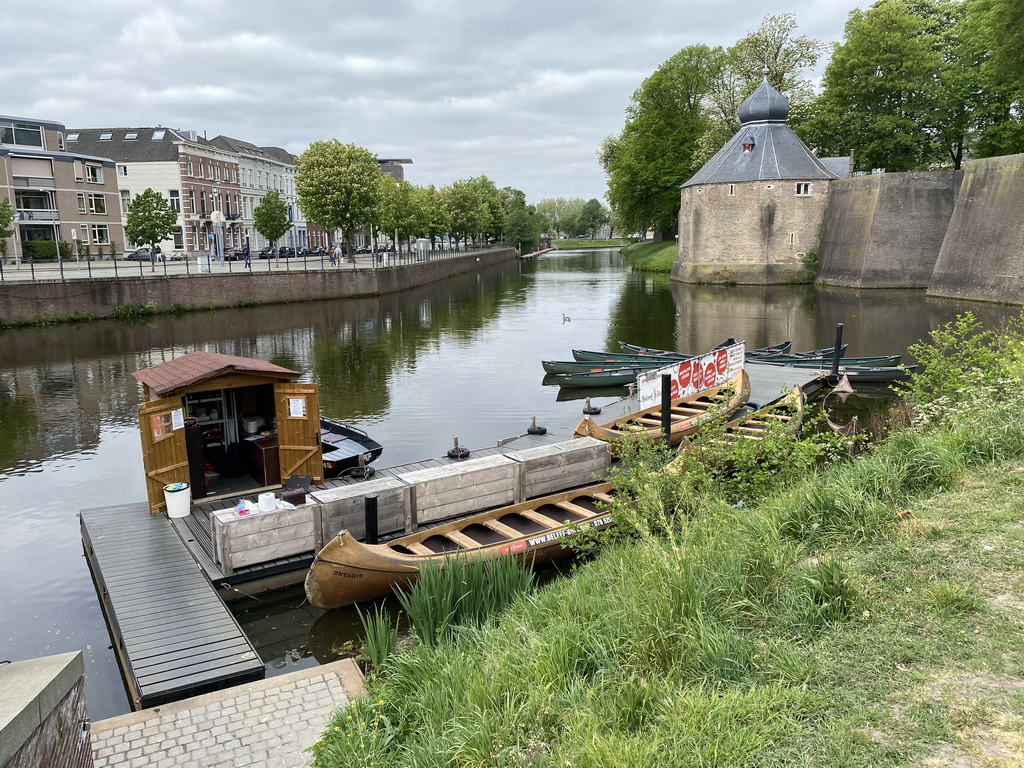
639 359
609 377
783 416
857 373
686 414
347 571
344 447
802 361
587 366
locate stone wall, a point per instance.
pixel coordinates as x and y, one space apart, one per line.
99 297
982 255
885 230
753 232
43 719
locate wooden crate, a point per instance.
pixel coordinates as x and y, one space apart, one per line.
560 466
264 536
343 507
462 488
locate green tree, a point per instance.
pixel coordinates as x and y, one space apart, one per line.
150 219
6 227
400 211
523 226
467 207
593 216
1005 26
654 153
270 217
880 87
339 186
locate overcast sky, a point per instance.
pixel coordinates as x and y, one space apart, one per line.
522 92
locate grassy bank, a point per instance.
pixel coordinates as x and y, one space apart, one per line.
651 257
869 614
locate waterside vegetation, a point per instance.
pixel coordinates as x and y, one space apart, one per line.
865 612
651 256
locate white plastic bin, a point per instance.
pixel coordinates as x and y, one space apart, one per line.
178 497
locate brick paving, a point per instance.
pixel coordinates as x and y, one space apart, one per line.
268 724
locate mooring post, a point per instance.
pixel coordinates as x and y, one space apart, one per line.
370 516
837 350
666 408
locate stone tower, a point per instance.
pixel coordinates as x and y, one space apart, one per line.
753 211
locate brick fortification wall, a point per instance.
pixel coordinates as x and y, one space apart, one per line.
982 255
52 298
758 235
885 230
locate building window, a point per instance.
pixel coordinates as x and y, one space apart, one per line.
60 140
217 173
158 135
100 235
131 136
21 133
81 203
191 201
803 189
126 200
124 169
97 204
175 200
72 137
792 238
190 173
94 174
732 189
83 232
106 136
202 171
179 239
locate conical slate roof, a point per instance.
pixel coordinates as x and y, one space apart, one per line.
765 147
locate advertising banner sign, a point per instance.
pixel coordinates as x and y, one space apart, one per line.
689 376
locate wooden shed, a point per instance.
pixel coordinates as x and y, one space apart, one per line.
226 424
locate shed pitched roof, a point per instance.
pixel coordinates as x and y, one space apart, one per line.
181 372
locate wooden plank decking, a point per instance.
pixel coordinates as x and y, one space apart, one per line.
172 634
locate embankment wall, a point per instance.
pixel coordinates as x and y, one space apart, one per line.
885 230
40 299
982 254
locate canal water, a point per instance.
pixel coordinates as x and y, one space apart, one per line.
417 370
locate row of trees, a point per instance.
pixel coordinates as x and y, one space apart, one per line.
915 84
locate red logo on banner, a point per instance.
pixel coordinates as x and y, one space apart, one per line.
517 546
721 361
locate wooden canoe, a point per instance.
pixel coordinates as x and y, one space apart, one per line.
347 571
801 361
633 349
688 413
783 416
639 359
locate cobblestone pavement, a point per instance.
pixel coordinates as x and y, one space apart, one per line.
266 724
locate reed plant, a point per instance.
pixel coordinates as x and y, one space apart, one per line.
380 633
864 614
458 592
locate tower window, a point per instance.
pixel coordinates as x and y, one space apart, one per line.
732 190
803 189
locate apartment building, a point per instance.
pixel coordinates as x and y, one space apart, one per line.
58 192
197 177
260 170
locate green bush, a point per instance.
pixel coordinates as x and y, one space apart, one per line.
45 250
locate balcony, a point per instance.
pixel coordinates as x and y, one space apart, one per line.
36 214
233 216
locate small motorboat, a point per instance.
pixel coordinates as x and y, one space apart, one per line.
345 447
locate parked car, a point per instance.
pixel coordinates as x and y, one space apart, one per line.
318 250
233 254
140 254
285 251
268 252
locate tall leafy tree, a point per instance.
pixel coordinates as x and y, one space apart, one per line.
339 186
399 210
1005 25
523 226
150 219
592 216
880 87
6 228
466 205
654 153
270 217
